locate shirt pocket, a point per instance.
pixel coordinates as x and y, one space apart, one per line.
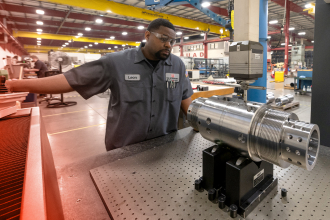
132 91
173 94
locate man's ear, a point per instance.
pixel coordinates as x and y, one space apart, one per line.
147 35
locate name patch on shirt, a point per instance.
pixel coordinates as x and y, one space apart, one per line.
172 77
132 77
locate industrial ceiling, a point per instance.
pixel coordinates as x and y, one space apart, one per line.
62 23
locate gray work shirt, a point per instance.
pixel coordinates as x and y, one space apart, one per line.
141 106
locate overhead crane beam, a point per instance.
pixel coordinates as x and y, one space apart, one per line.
33 48
140 13
73 25
68 37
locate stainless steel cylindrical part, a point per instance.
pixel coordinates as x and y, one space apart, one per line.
256 131
270 99
281 101
290 97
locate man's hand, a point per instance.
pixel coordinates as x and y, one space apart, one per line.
185 105
9 85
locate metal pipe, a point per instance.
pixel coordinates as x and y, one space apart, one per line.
282 100
270 99
256 131
6 31
59 28
255 94
290 97
287 36
5 35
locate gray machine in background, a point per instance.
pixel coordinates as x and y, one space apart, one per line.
245 60
246 64
297 56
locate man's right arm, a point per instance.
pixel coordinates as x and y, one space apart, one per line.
48 85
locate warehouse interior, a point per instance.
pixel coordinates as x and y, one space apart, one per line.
253 143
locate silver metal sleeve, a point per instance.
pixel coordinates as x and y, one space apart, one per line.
256 131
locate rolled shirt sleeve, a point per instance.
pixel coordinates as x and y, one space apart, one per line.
91 78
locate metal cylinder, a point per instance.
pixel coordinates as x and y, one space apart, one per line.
282 100
290 97
256 131
270 99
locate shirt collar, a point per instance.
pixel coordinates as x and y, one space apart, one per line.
139 56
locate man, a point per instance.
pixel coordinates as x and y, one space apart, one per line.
39 67
147 84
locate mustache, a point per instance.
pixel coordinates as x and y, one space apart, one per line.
164 50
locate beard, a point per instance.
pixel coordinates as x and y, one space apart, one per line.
162 54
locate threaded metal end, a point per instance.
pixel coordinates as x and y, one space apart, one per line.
269 135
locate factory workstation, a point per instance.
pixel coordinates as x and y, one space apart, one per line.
164 110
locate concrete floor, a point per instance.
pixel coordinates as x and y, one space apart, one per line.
76 134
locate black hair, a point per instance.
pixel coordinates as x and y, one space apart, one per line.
155 24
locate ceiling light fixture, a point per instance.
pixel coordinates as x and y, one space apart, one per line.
38 44
269 37
66 43
140 27
309 5
273 22
96 43
80 34
137 42
206 4
99 21
38 38
179 33
39 33
40 22
123 45
202 34
39 30
109 48
312 41
90 45
301 33
38 41
282 43
116 47
88 29
186 38
144 40
124 33
109 11
86 46
112 37
291 28
40 12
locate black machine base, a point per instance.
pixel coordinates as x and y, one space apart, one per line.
61 103
234 180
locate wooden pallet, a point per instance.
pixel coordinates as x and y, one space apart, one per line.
287 106
287 86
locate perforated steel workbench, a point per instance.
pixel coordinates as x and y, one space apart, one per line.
159 184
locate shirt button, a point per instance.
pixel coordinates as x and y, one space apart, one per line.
153 100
